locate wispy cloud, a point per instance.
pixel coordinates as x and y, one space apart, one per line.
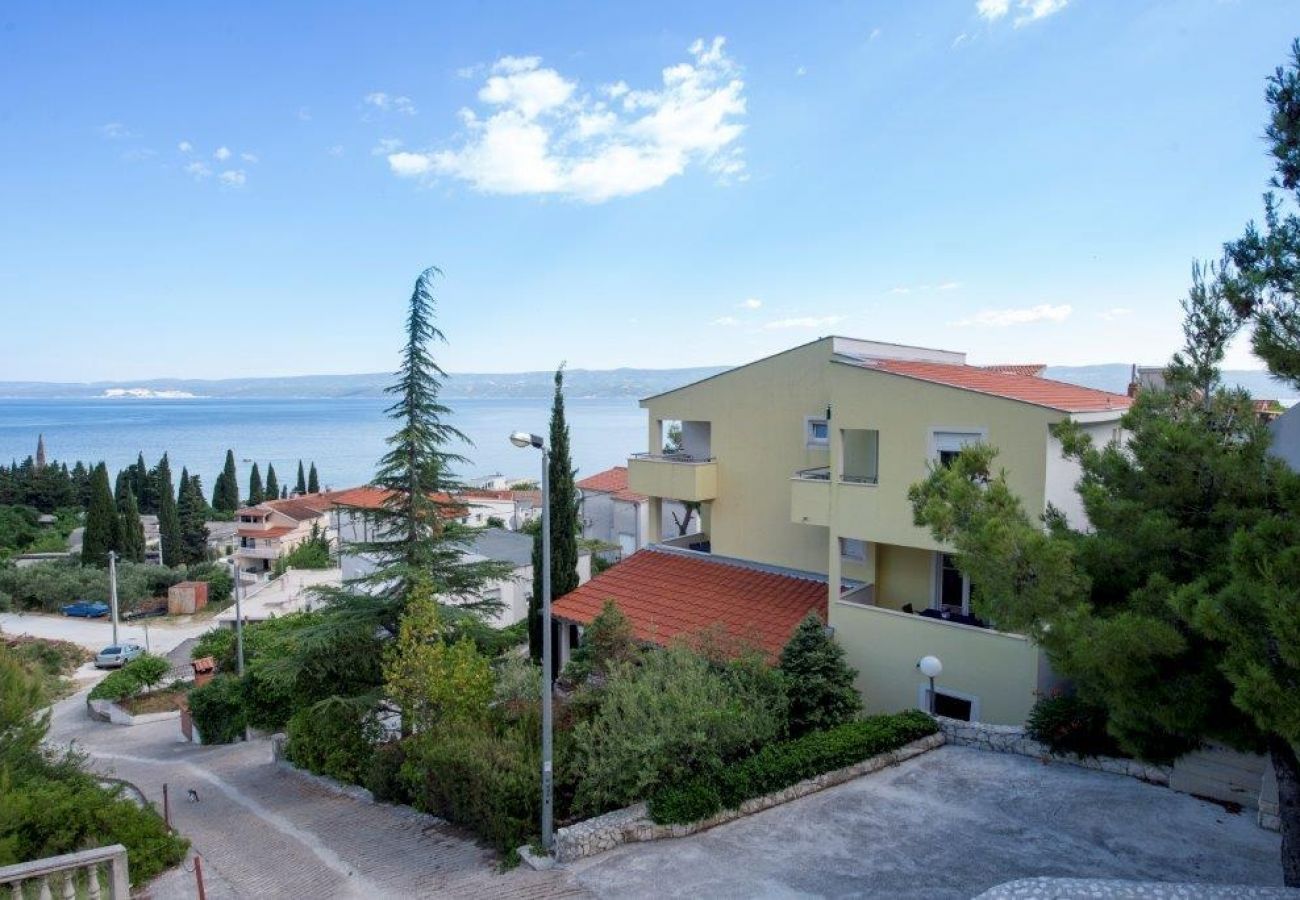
1002 318
749 303
248 157
1111 315
115 131
726 320
221 154
802 322
800 72
185 147
385 146
198 169
542 135
304 114
924 288
336 150
875 33
1026 11
233 178
386 102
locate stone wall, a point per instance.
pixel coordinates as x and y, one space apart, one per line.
633 824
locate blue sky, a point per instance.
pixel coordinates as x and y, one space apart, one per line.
241 189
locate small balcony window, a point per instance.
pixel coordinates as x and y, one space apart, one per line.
853 549
818 432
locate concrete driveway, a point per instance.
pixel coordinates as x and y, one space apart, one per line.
949 824
163 635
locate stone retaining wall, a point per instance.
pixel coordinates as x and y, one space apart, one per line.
633 824
107 711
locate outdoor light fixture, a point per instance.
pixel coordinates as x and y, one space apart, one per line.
525 439
931 668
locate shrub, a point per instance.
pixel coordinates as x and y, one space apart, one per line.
780 765
334 737
606 643
1068 725
218 710
50 585
220 583
819 681
469 774
518 685
383 776
671 717
139 674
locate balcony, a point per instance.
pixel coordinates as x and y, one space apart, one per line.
810 496
676 476
264 552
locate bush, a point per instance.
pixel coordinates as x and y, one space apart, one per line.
218 710
607 642
335 737
819 681
780 765
1070 726
139 674
669 718
221 583
383 777
469 774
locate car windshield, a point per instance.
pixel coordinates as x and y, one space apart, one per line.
112 651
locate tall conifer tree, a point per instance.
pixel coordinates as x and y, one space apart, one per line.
313 481
103 527
563 509
255 494
272 483
132 529
169 523
300 486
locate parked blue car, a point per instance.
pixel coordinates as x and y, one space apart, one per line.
87 609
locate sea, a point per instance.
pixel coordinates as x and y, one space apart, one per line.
344 437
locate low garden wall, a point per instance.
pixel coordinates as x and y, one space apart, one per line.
633 824
108 711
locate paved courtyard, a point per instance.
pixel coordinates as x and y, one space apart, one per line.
949 824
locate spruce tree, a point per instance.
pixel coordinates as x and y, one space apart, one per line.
818 681
255 494
272 483
103 527
563 509
313 482
132 528
169 523
300 486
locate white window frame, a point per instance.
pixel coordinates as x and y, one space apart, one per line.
954 439
936 585
809 438
848 551
923 698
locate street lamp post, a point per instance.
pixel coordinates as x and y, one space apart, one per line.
931 668
112 589
524 439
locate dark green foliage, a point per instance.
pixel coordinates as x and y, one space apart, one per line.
49 585
218 710
140 486
1070 726
256 494
220 582
191 512
383 776
169 522
313 481
300 486
139 675
225 492
132 529
474 776
818 680
103 527
335 737
606 643
563 512
22 532
272 483
780 765
312 553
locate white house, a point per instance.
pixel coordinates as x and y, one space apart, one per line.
612 513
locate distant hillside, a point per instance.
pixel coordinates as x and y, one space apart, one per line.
579 383
1115 377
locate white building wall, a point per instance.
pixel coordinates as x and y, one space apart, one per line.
1062 475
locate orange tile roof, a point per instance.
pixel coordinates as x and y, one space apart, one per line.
611 481
1010 385
367 497
275 532
1033 369
668 594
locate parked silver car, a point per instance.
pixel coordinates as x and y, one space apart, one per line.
117 655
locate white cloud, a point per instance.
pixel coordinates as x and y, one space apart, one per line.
468 72
389 103
248 157
336 150
921 288
139 154
185 147
221 154
1118 312
304 114
233 178
803 322
1001 318
726 320
385 146
875 33
541 135
198 169
800 72
1026 10
115 131
960 39
749 303
948 286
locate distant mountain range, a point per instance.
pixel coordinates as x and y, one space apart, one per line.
579 383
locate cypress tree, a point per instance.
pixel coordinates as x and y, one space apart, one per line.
563 510
255 495
300 486
132 528
191 513
272 483
818 680
313 482
103 528
284 492
230 494
80 483
169 523
140 479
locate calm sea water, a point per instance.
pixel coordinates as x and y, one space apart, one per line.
344 437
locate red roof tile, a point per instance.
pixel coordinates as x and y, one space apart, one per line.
668 594
275 532
367 497
611 481
1012 386
1032 369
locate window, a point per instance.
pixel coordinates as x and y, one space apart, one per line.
947 444
951 707
853 549
818 432
951 588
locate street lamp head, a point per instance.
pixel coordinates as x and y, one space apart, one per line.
524 439
930 666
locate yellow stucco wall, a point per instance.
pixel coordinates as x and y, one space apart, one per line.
903 575
997 670
758 439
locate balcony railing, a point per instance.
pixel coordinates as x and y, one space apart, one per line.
70 875
823 473
677 456
675 476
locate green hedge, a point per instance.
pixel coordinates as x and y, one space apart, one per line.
140 673
218 710
335 737
780 765
1068 725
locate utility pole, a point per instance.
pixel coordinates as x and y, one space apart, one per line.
547 688
112 589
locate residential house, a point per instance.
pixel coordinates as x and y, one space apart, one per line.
271 530
613 513
514 509
801 464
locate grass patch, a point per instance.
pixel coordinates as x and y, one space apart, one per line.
153 702
51 662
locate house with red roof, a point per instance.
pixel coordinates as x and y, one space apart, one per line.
268 531
613 513
800 465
